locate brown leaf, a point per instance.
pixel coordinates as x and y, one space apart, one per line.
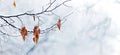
24 32
35 40
34 18
36 33
59 24
14 3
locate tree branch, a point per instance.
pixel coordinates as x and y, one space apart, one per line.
33 14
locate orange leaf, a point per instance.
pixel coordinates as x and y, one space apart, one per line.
36 33
24 32
35 40
14 4
59 24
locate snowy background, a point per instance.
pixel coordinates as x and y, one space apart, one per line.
92 29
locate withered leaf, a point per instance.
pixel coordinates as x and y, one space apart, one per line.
14 3
34 18
24 32
59 24
35 40
36 33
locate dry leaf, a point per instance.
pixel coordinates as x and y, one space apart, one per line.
34 18
36 33
59 24
35 40
14 3
24 32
